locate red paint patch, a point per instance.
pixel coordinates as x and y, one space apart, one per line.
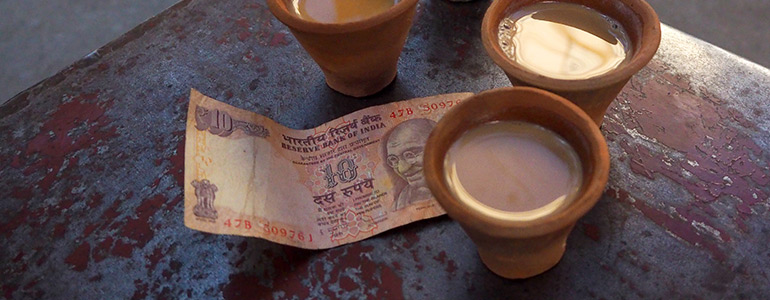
139 229
242 22
253 57
717 153
451 267
243 35
150 206
95 278
175 266
95 201
22 193
101 250
32 218
245 286
347 284
140 291
55 142
295 275
744 209
441 257
591 231
411 238
66 203
177 161
31 284
112 212
60 229
416 259
79 257
154 258
391 285
166 274
396 266
128 65
278 39
122 249
155 183
461 52
676 227
8 290
714 157
690 214
741 225
41 260
16 162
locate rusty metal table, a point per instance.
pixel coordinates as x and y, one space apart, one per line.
92 160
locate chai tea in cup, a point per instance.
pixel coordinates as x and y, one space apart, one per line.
340 11
356 43
514 170
564 40
583 50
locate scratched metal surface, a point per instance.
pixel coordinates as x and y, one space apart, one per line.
92 161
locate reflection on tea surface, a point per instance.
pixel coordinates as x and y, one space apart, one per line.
564 40
524 170
340 11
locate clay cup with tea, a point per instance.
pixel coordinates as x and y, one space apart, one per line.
356 43
583 50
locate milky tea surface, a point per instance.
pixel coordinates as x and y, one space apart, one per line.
520 168
340 11
564 40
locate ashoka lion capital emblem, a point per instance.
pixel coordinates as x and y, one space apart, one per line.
205 193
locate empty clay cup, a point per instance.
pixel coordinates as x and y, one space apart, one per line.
358 58
515 248
593 94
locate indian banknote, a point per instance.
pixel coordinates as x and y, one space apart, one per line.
341 182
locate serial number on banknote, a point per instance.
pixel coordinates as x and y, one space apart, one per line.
424 108
270 230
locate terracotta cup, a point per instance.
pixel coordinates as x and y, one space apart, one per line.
514 248
594 94
358 58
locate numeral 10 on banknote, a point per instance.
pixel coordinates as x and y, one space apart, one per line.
346 172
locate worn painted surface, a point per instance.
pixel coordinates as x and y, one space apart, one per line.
92 160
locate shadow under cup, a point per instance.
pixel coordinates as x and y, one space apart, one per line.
357 58
593 94
515 248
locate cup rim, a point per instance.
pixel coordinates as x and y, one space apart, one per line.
282 13
434 156
651 36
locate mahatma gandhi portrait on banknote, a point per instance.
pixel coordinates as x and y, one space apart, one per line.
403 153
